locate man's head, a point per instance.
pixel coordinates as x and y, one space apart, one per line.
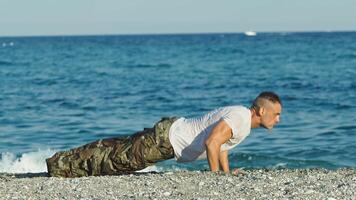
267 107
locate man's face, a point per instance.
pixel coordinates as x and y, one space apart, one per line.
271 115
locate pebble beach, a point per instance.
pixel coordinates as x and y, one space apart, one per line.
255 184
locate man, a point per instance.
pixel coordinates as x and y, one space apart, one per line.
210 136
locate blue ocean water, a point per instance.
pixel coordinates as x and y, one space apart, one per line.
61 92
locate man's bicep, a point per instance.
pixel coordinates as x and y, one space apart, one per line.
221 133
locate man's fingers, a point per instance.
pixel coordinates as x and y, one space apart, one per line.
238 171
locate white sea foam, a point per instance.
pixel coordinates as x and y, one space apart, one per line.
280 165
155 168
32 162
8 44
152 168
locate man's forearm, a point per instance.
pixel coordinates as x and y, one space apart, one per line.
224 161
213 151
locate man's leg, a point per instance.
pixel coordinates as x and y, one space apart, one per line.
156 145
87 160
116 155
147 148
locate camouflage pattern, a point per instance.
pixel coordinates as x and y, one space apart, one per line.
115 156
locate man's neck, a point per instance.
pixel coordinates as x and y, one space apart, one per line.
254 120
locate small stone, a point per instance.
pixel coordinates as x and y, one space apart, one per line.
167 194
257 189
201 183
286 191
309 192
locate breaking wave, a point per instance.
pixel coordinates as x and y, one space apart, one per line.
31 162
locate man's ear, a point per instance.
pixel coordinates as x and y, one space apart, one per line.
261 111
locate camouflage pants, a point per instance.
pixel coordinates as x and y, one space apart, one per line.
116 155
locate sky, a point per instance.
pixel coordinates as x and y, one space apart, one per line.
102 17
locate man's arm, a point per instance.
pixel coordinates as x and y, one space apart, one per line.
220 134
224 161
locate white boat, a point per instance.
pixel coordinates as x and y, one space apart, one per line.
250 33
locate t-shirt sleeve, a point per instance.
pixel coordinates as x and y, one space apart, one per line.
235 121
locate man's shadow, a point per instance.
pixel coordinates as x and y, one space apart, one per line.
9 176
22 175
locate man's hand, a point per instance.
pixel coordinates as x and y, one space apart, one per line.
238 171
220 134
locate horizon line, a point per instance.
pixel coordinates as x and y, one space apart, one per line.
172 33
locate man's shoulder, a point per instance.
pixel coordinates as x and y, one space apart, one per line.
238 113
237 108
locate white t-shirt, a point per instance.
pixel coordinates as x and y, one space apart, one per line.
188 136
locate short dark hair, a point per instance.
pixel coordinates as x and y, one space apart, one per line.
268 95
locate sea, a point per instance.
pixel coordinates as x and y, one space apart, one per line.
60 92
